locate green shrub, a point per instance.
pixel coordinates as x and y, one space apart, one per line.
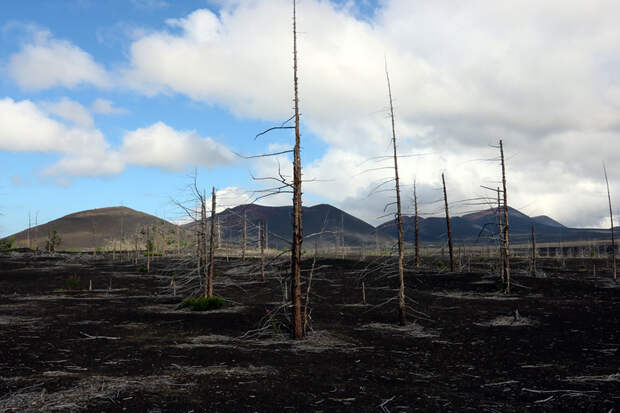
203 303
143 269
72 283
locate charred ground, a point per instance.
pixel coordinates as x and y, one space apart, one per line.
127 345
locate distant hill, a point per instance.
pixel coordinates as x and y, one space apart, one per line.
97 228
321 223
105 227
545 220
481 227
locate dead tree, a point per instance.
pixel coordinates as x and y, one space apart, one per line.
342 234
416 224
450 246
533 252
296 318
202 237
500 236
611 218
149 246
506 226
402 316
262 249
209 281
219 233
245 235
29 225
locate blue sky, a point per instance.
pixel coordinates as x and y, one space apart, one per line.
117 102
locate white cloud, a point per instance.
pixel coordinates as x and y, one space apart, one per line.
47 62
26 127
161 146
542 77
106 107
69 110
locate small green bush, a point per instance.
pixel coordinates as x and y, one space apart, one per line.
142 269
72 283
203 303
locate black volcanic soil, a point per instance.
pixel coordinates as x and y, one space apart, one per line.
126 347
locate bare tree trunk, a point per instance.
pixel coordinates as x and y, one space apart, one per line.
297 329
500 235
209 283
219 233
245 235
533 252
29 225
148 255
506 238
402 315
262 249
416 226
202 243
450 247
611 218
342 234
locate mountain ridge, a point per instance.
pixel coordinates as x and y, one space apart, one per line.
108 227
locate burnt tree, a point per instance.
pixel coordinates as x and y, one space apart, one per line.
416 224
209 281
506 226
450 246
402 315
297 330
611 218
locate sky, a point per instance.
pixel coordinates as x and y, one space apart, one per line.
123 102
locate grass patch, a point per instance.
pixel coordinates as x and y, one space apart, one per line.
203 303
72 283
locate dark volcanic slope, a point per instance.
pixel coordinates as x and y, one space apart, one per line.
95 228
320 222
481 226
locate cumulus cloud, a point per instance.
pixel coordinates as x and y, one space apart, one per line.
26 127
106 107
47 62
543 78
162 146
69 110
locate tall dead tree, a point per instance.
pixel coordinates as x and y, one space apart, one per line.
533 252
202 238
296 316
611 218
29 225
402 315
450 246
245 235
416 224
262 249
342 235
506 226
209 281
500 235
219 233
